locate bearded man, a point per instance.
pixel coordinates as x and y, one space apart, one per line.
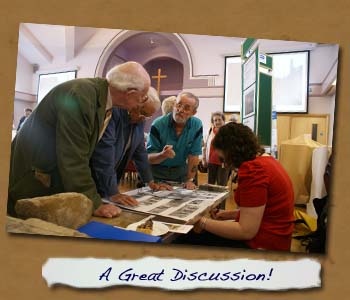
175 142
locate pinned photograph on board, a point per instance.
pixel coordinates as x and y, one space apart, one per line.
110 126
249 101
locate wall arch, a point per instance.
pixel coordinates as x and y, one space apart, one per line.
182 50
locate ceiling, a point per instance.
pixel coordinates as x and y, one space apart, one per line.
42 44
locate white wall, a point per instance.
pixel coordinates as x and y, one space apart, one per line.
206 107
24 76
208 54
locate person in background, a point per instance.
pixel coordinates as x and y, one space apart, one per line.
122 141
217 173
51 152
234 118
168 105
174 142
264 219
27 113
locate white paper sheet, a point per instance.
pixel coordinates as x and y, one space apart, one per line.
249 72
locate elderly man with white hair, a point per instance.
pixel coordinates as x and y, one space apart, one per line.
123 141
51 153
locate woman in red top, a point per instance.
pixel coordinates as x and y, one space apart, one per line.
264 194
217 173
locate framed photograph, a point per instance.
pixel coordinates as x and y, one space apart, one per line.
249 101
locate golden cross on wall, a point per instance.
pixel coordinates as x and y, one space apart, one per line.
159 77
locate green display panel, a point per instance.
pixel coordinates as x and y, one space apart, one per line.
265 109
246 46
257 85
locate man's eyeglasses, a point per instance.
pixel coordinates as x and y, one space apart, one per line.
145 117
143 99
184 107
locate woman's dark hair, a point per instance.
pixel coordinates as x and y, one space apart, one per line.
238 143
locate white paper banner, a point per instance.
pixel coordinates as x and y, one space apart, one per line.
178 274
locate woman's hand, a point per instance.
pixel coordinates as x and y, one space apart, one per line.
199 226
245 229
221 214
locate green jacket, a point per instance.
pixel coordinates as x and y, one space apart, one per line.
51 152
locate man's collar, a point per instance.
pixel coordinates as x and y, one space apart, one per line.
170 120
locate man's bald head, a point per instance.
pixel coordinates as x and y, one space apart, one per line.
129 75
128 85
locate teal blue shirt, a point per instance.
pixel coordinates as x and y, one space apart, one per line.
188 143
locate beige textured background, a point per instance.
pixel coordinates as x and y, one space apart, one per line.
21 257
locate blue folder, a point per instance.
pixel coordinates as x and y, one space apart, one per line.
108 232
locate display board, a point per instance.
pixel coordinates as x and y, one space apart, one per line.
256 112
250 83
48 81
265 100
